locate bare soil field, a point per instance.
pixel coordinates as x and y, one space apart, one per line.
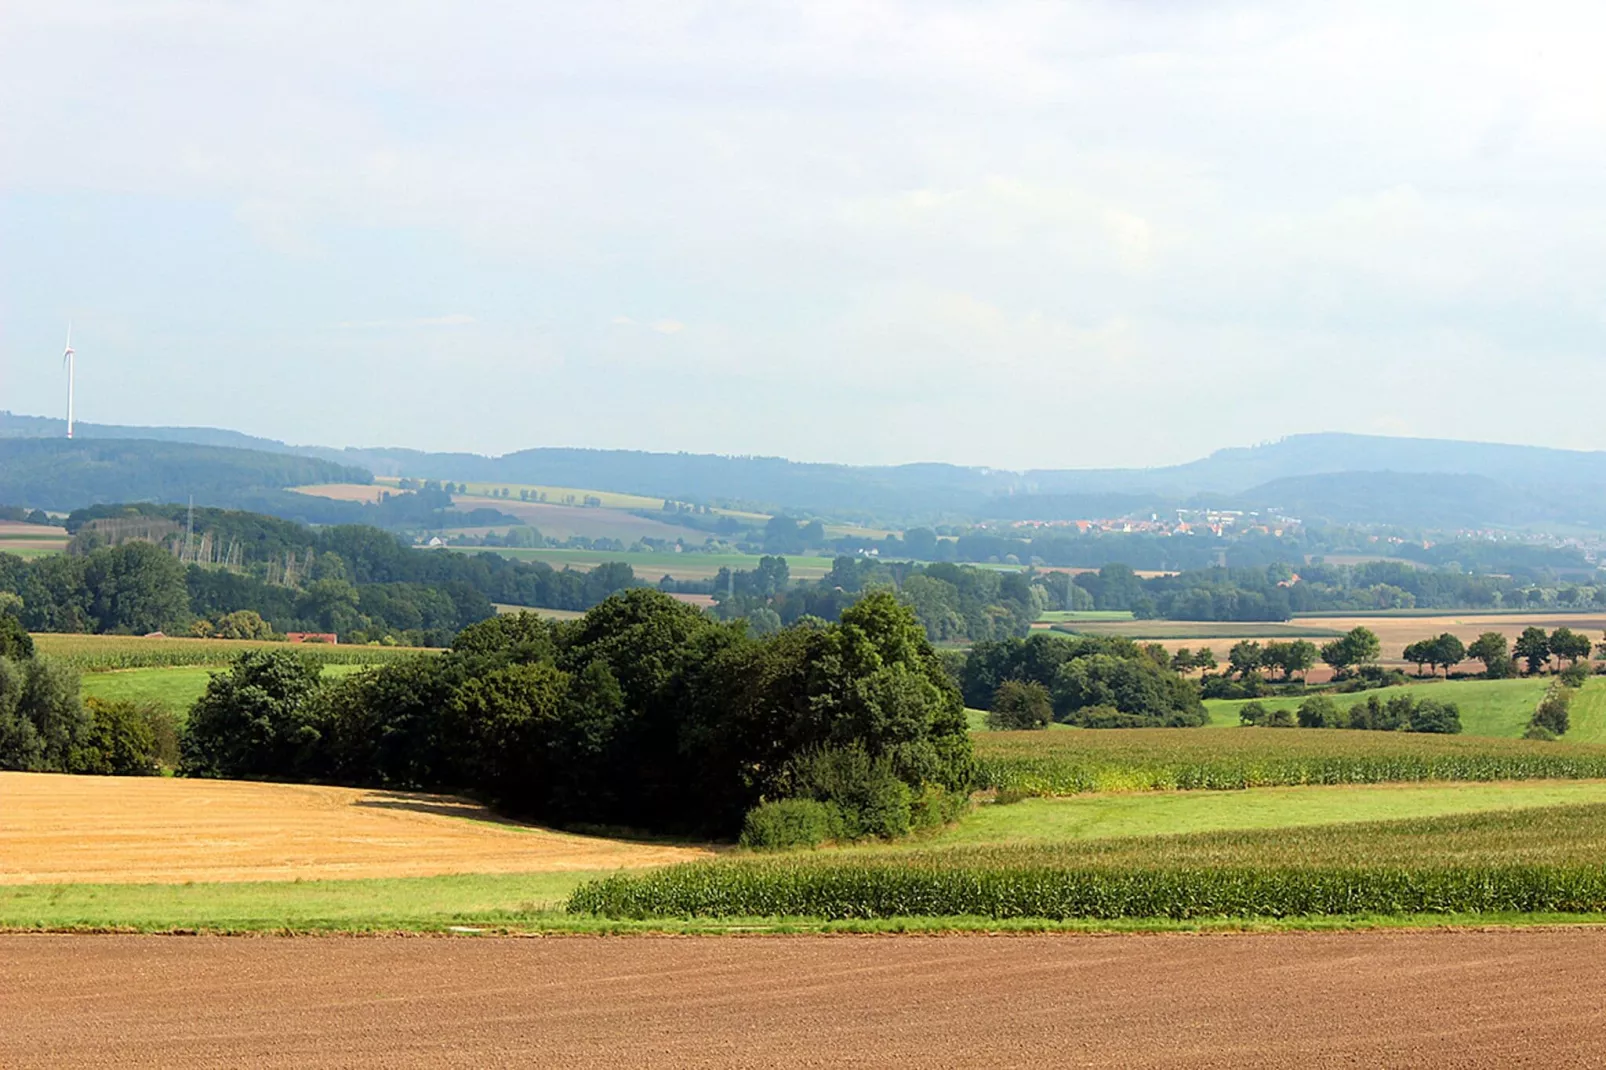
75 829
1424 998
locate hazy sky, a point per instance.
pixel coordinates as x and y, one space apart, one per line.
1049 235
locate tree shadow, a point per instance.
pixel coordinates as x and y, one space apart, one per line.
439 805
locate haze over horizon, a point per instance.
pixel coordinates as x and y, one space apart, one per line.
1009 235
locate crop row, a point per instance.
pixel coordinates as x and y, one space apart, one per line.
850 891
1168 760
1541 860
103 653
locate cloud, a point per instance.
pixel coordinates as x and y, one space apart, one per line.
667 326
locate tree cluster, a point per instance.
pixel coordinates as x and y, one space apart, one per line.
644 713
1089 681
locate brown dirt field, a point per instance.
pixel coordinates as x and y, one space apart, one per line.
1441 999
138 830
32 531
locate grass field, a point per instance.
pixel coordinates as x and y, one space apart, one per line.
175 689
1068 616
101 653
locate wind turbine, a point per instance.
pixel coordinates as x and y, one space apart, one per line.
70 362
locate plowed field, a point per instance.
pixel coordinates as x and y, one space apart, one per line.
70 829
1441 999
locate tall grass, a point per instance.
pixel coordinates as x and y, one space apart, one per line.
1169 759
103 653
1545 860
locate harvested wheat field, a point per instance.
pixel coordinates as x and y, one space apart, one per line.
75 829
1442 999
1394 633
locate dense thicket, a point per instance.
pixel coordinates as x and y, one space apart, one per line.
645 713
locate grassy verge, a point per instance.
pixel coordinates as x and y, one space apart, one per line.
1541 861
1163 759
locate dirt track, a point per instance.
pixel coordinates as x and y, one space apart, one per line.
66 829
1443 999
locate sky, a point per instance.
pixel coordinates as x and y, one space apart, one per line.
993 233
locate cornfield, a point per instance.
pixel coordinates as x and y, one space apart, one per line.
104 653
1544 860
1070 763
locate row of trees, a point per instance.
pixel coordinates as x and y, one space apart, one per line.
1401 713
644 713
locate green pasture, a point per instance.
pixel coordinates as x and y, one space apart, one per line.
175 689
1498 708
1066 616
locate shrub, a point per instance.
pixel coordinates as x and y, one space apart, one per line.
1552 712
1280 719
1109 717
871 797
1318 712
126 739
1019 704
15 642
1576 674
1252 713
784 823
1251 686
1431 716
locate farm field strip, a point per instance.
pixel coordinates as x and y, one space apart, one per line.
651 566
100 653
167 830
1541 860
1162 759
1394 632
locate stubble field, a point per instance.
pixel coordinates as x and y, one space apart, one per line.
58 829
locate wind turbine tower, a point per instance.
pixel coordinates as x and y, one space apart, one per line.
70 362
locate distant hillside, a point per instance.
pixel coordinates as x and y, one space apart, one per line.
1338 477
62 475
